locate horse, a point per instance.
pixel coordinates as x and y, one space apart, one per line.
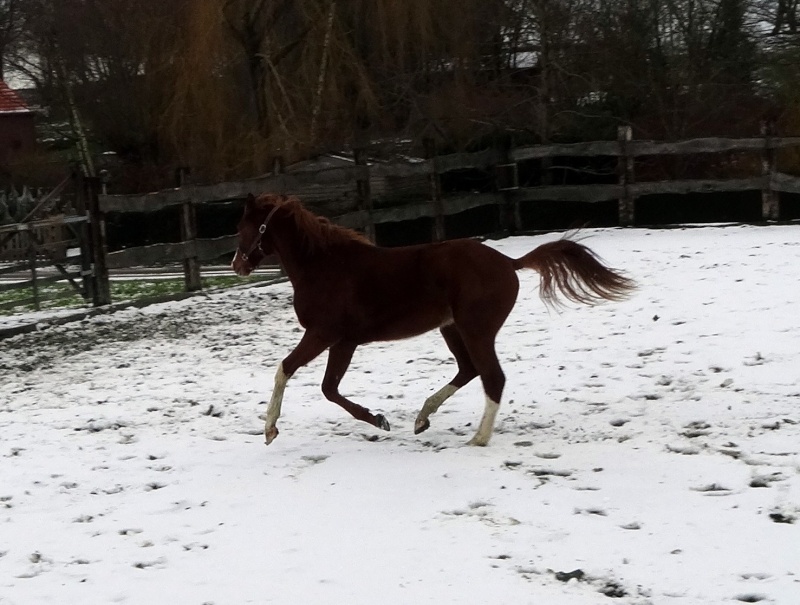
349 292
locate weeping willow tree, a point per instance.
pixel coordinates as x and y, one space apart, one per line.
248 79
223 86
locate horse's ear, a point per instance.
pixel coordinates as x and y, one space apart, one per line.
250 201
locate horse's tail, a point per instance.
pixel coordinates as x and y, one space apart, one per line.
573 271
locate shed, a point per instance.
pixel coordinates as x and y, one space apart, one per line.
17 134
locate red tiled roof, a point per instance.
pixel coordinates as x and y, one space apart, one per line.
10 102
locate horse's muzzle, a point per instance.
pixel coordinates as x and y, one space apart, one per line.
240 266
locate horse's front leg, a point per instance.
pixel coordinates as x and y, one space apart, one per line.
339 358
309 347
274 409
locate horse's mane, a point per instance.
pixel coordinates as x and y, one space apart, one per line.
318 232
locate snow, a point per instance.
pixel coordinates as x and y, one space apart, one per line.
645 452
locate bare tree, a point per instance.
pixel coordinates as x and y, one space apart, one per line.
10 31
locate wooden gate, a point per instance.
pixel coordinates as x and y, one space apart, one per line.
48 248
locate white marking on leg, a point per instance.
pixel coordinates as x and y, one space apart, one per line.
274 409
433 403
487 424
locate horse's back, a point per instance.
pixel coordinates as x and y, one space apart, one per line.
454 264
451 279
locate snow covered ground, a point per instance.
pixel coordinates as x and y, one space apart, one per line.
646 452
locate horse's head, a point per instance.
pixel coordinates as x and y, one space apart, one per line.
255 243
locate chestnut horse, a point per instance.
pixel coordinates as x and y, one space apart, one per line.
348 292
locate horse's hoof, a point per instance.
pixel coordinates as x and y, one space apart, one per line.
478 442
421 425
270 434
381 422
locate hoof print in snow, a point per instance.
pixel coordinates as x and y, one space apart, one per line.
592 510
148 564
213 412
566 576
609 588
685 449
713 489
756 360
750 598
549 472
756 576
613 589
779 517
696 428
694 433
97 426
766 480
650 352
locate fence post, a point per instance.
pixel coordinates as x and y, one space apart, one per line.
32 261
101 294
436 191
84 239
278 169
506 181
627 203
191 264
770 200
364 193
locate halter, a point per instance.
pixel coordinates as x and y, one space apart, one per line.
261 230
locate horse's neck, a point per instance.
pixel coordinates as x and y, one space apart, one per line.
295 257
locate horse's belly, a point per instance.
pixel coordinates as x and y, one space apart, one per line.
411 323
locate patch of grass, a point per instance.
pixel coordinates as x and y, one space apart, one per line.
135 289
62 295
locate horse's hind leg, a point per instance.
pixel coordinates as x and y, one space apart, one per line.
483 355
466 372
339 358
308 348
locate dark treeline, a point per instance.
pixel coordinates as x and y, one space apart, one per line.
223 86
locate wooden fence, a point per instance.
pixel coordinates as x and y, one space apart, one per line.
364 196
52 233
